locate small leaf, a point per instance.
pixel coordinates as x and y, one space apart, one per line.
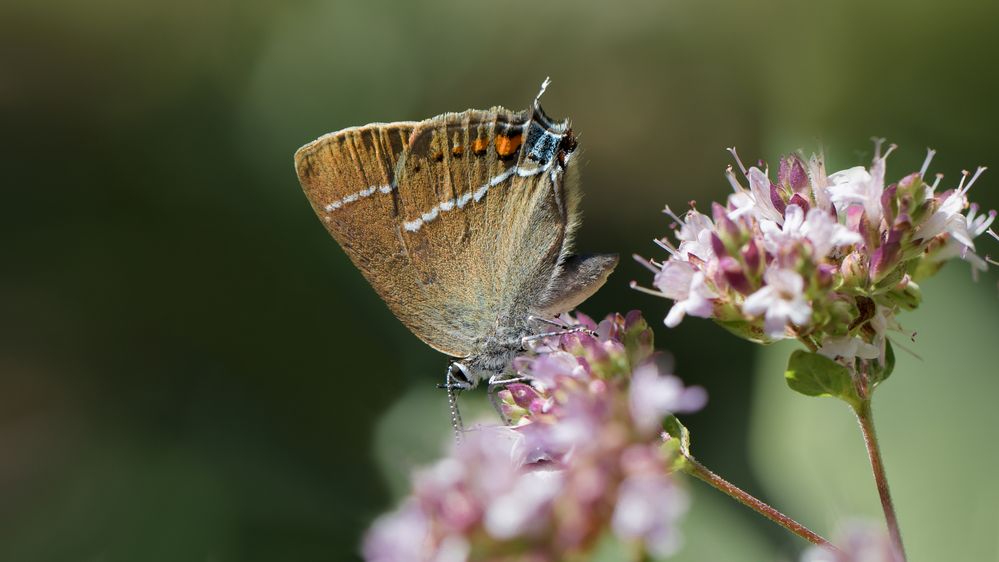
816 375
678 444
751 331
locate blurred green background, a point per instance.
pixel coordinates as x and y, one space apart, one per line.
191 369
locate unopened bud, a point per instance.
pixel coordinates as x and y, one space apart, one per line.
854 270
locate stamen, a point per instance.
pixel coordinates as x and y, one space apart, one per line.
906 348
983 222
738 161
665 245
634 285
672 215
877 147
971 182
730 175
926 163
960 184
648 265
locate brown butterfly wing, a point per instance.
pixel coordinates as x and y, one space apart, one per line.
349 178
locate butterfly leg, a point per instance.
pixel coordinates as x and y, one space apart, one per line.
497 383
574 330
543 320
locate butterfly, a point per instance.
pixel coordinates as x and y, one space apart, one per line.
462 223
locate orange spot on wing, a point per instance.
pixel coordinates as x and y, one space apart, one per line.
506 146
479 145
458 151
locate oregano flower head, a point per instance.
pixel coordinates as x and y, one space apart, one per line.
582 456
829 259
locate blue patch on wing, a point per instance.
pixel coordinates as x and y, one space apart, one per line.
541 143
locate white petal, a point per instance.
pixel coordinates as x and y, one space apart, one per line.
758 302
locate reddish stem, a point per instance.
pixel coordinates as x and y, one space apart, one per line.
724 486
866 418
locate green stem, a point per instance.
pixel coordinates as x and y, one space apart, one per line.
809 343
698 470
866 418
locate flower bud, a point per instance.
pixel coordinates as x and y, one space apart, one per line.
842 313
800 201
777 198
889 204
752 255
717 246
854 270
886 256
734 275
792 174
912 186
825 275
907 294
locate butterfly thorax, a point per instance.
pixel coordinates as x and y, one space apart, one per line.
495 353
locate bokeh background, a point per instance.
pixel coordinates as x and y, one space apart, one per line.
191 369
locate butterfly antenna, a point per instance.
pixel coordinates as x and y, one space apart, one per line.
544 86
452 403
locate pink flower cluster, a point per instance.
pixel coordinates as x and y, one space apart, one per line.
582 456
825 258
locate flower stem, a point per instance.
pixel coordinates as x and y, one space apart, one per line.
866 418
702 472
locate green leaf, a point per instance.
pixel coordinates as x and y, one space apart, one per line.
816 375
678 444
751 331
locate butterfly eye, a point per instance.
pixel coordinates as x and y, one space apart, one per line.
460 374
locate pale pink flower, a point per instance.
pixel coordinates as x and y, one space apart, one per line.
523 508
688 288
826 234
649 506
818 228
759 183
820 183
781 302
694 235
881 323
857 542
653 396
857 186
399 536
848 348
